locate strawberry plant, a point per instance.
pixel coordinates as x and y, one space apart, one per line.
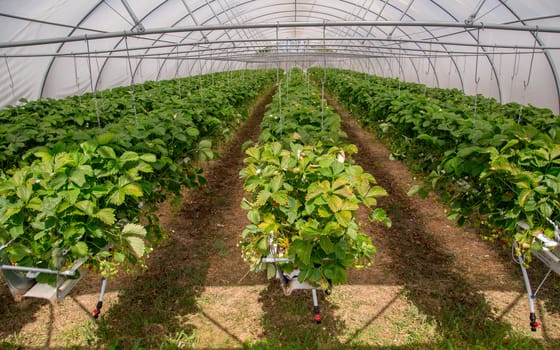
304 192
68 194
162 109
70 205
497 167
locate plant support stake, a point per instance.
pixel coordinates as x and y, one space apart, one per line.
91 85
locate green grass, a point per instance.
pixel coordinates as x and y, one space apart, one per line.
221 248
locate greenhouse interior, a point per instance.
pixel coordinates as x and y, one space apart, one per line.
216 174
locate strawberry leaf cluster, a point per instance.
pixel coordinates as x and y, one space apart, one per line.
496 165
304 191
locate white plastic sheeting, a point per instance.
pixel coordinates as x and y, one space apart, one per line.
509 50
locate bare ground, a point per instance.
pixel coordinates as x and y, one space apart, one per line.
430 279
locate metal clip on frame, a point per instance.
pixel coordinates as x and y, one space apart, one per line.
290 282
549 254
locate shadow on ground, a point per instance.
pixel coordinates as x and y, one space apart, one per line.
288 321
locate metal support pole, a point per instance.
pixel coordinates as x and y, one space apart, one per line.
99 305
95 36
532 316
316 311
137 24
91 85
11 83
37 270
323 81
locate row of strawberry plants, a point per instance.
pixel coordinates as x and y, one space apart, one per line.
451 100
490 166
304 190
100 188
209 101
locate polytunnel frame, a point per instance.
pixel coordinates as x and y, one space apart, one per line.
155 8
405 13
355 30
509 27
545 52
378 15
436 53
225 11
192 15
138 24
359 7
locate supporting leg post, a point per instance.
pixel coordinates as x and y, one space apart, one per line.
99 305
532 316
534 324
317 316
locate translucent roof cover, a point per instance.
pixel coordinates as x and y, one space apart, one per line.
509 50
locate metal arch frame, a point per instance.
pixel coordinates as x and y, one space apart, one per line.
108 35
328 7
450 56
448 52
132 73
224 11
368 10
76 27
360 16
249 2
118 43
154 9
215 15
546 52
528 48
378 15
51 63
435 38
494 70
356 30
190 13
494 26
231 8
404 13
351 14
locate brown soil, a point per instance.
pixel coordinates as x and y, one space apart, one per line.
427 274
